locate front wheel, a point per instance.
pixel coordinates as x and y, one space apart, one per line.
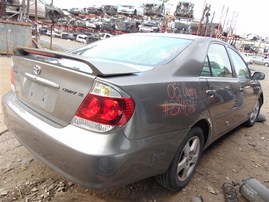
185 162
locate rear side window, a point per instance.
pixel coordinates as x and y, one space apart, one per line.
217 63
240 67
136 49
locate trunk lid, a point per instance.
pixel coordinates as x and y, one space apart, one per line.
55 84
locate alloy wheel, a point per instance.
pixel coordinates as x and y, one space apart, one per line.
188 159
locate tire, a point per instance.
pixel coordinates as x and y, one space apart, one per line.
185 162
254 114
266 64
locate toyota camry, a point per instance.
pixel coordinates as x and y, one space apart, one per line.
130 107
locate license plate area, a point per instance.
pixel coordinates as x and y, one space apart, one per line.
39 94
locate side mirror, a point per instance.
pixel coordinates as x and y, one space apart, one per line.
258 76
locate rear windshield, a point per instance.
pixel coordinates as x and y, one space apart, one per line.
136 49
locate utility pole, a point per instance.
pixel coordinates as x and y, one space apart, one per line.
225 20
3 5
51 27
235 20
36 20
28 8
211 25
200 23
205 14
229 33
22 11
220 27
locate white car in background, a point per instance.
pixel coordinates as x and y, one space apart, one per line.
105 35
131 8
82 38
127 9
259 60
246 58
150 26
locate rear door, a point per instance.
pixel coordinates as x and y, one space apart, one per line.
220 89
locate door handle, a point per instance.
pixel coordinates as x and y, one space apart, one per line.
210 92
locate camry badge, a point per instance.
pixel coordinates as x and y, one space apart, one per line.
37 70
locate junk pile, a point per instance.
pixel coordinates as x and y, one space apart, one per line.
250 188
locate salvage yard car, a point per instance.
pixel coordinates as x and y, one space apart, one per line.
82 38
127 9
184 10
260 60
150 26
246 58
44 10
130 107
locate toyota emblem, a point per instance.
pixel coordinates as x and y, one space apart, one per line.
37 70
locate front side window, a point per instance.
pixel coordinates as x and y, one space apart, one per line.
217 63
240 67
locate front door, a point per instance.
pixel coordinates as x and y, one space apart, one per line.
248 90
221 90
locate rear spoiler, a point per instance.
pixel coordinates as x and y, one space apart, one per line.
27 51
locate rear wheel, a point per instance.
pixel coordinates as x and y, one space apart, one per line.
254 114
185 162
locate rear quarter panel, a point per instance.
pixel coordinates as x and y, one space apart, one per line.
162 106
168 97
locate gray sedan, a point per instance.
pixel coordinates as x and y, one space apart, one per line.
130 107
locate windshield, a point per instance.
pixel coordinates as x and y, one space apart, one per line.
135 49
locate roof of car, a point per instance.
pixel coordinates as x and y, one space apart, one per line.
185 36
157 34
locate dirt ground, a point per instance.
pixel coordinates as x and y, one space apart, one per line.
239 155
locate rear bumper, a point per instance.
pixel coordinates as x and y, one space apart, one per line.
90 159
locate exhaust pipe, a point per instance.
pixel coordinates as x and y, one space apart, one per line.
254 191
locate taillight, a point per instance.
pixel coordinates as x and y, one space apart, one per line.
106 110
103 109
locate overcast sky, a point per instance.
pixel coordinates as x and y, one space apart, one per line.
251 14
